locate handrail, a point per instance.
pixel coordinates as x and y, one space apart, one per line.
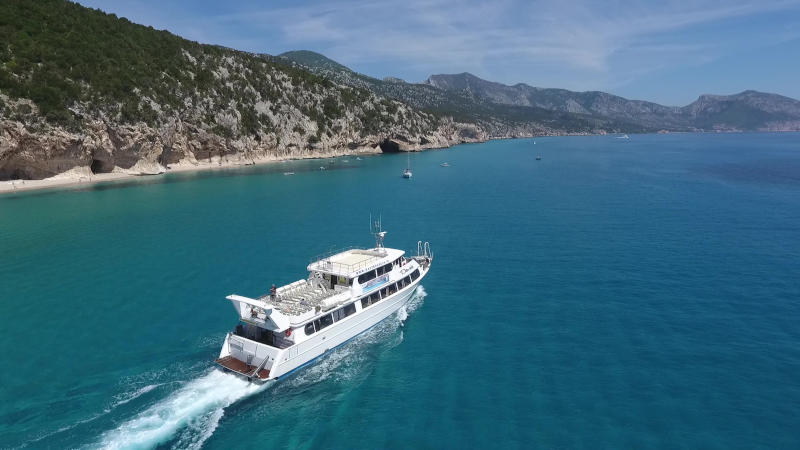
258 369
324 263
330 253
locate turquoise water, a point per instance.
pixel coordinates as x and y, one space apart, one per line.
615 294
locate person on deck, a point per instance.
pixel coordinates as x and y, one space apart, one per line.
273 291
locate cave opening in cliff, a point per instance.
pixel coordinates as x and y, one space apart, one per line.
101 166
389 146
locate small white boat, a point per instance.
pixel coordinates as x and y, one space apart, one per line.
444 164
538 157
407 172
624 136
321 167
345 294
288 173
358 158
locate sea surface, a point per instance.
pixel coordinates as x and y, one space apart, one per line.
640 294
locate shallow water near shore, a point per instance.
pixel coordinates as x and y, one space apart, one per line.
638 293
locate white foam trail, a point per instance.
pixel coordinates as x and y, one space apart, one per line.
204 396
125 398
132 396
402 315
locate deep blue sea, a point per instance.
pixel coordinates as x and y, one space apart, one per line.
640 294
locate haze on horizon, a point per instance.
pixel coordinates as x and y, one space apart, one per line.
667 52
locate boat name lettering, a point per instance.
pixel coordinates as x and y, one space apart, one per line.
377 281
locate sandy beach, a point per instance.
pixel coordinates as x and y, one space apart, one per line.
82 176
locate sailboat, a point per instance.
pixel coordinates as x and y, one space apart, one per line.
407 173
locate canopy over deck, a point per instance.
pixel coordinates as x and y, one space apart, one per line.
354 261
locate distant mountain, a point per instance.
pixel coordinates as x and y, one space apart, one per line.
498 118
749 110
499 107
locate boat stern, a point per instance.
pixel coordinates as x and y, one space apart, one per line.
247 358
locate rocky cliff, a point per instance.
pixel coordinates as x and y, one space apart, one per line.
82 92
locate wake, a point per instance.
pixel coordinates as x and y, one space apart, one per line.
198 405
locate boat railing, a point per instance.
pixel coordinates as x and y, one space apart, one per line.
328 265
324 263
332 252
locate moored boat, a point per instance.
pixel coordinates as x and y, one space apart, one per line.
345 294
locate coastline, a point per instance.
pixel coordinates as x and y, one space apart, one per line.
84 177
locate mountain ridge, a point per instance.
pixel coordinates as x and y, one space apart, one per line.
472 98
708 112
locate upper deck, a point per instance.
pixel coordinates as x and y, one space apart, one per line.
353 262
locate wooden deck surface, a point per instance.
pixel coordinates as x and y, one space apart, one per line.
229 362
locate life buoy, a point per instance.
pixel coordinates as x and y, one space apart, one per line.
288 332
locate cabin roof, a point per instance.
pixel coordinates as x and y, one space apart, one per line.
353 262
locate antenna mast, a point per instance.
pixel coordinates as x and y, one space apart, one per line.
377 231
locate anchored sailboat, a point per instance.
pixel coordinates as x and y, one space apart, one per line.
407 173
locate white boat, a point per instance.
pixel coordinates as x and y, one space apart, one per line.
624 136
444 164
345 294
407 172
288 173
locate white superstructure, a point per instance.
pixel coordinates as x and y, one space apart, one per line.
345 294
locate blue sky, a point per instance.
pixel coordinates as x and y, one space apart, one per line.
664 51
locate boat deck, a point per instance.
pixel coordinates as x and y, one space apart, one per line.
300 297
240 367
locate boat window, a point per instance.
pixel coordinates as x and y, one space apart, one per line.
407 280
364 277
364 302
349 309
415 274
309 328
338 315
323 322
383 293
374 298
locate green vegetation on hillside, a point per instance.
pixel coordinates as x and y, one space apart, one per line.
77 63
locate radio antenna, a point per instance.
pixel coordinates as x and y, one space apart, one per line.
377 231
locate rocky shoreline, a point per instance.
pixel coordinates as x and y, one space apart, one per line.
59 158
